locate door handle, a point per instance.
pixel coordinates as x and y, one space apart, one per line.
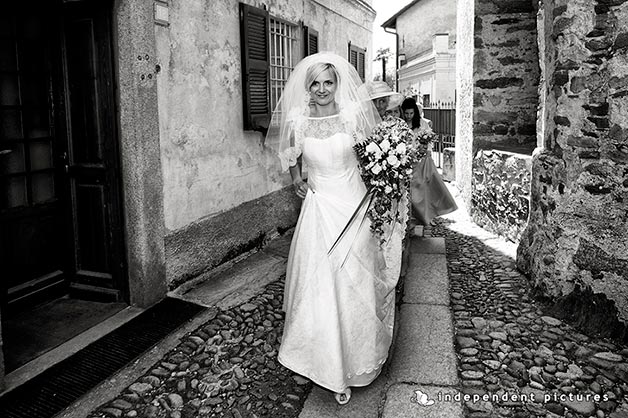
5 151
64 159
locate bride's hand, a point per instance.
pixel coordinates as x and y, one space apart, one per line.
301 188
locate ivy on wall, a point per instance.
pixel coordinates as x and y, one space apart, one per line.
501 192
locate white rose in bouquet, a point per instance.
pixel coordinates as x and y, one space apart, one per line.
376 169
372 148
385 145
393 161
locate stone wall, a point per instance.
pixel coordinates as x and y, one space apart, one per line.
501 192
206 244
506 75
576 242
464 105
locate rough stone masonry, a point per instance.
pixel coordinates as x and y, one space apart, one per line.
575 247
506 78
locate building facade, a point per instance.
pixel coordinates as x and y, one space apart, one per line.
223 192
426 48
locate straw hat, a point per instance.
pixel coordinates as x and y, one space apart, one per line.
377 89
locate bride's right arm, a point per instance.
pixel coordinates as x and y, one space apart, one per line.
300 186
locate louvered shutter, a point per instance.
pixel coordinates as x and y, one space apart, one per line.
353 56
254 24
357 59
311 41
361 55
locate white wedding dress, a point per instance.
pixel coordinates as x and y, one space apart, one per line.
339 307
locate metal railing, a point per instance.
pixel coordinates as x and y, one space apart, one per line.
443 117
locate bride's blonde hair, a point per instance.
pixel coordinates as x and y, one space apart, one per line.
316 69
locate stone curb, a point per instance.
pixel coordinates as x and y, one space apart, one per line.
424 362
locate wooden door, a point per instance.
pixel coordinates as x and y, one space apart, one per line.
91 166
59 195
32 236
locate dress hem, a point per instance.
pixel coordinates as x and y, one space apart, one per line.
325 385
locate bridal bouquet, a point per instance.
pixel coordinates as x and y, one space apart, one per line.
424 137
386 160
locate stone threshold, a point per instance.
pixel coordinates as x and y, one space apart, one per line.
42 363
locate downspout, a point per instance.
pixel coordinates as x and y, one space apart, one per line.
396 57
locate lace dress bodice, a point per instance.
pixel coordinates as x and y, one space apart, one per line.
318 128
326 144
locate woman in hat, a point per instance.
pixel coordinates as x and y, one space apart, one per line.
339 303
383 97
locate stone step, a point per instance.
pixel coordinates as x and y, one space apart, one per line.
427 280
427 246
424 350
424 358
236 283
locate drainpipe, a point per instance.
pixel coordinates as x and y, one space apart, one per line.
396 57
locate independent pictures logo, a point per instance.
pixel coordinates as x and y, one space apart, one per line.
422 398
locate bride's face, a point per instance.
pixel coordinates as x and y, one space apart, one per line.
323 88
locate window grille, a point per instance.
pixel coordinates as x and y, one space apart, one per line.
283 55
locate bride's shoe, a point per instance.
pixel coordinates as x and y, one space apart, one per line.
343 397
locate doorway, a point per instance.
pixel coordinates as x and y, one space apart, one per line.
60 218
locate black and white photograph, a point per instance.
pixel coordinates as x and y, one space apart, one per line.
314 209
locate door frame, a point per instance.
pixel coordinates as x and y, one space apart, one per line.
140 152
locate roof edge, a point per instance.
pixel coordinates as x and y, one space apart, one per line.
392 21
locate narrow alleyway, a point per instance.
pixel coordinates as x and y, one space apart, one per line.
514 360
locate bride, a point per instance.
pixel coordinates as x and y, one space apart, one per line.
339 304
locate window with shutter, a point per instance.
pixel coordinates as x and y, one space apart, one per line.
311 41
357 58
254 24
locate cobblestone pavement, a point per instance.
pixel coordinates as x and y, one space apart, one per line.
508 347
226 368
515 359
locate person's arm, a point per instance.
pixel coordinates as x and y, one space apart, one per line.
300 186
